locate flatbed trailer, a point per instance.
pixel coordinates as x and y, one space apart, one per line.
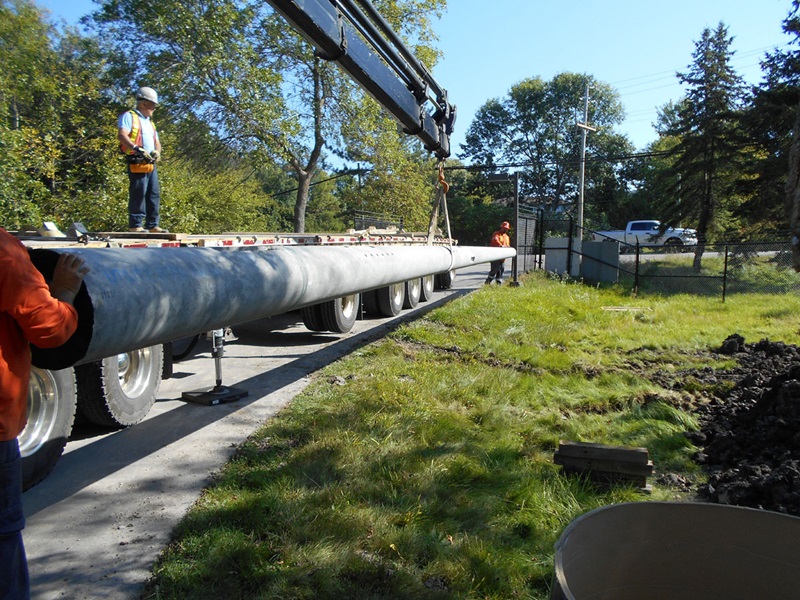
145 291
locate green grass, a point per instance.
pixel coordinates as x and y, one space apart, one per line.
429 473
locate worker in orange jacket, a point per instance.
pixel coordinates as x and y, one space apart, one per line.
499 239
31 312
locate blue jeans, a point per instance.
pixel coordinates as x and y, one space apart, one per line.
144 199
14 582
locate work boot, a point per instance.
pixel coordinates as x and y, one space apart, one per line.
158 230
137 229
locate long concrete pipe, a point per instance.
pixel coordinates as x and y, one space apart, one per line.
138 297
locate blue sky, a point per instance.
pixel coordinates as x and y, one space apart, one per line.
634 45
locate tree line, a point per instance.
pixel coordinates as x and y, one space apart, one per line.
720 164
255 127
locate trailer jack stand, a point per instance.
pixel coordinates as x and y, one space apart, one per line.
219 393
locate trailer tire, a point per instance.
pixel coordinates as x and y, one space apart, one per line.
444 281
413 292
390 299
52 399
120 390
426 289
312 318
340 315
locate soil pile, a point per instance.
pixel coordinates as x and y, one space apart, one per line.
750 436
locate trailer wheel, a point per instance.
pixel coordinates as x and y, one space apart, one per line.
413 291
312 318
390 299
444 281
51 413
426 291
340 315
120 390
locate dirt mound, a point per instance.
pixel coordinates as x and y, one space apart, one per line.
750 436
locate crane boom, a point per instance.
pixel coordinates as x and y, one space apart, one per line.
355 36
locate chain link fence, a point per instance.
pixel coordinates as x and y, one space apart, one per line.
718 269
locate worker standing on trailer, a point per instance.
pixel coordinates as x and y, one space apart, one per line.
138 140
499 239
31 312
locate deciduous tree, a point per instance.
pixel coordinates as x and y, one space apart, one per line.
534 127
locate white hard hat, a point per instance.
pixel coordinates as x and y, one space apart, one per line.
146 93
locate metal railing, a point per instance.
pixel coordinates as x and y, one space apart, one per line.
364 220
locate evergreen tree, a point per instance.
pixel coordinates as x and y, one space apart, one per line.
709 144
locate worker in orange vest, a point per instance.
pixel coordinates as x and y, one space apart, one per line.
499 239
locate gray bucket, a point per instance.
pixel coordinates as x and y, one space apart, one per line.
672 550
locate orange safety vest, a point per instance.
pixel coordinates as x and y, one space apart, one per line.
136 132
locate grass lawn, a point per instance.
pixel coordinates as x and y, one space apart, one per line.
422 465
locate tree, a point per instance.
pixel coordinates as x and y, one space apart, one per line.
534 127
783 81
238 67
709 146
26 118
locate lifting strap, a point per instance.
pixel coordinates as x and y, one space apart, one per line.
441 201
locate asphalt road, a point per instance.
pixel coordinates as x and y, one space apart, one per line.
97 524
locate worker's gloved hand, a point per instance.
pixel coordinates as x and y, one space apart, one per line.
67 277
154 155
138 151
148 158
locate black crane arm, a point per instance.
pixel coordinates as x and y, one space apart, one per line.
353 34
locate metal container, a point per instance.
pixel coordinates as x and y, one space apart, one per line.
686 551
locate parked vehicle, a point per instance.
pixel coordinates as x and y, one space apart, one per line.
648 234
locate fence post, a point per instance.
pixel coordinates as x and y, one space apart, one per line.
569 249
636 269
725 274
540 236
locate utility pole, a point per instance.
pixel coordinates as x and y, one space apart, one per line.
585 129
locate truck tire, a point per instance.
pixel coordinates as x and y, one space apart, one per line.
390 299
312 318
426 290
120 390
413 292
674 245
340 315
444 281
52 400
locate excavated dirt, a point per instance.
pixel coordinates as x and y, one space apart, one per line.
749 438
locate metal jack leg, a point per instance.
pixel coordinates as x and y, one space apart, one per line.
219 393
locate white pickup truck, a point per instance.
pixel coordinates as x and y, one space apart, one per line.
648 233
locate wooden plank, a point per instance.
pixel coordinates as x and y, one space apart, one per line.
635 455
607 466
